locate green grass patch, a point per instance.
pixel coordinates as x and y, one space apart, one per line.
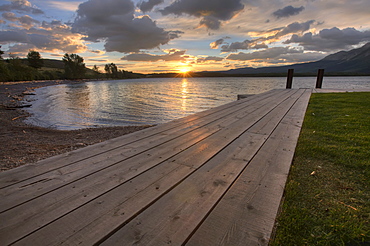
327 197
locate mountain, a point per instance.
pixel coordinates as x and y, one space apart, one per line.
353 62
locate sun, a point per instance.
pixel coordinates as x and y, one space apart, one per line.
184 70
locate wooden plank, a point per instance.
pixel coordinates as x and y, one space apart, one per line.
265 124
172 219
17 175
48 182
42 184
131 146
246 214
204 151
93 221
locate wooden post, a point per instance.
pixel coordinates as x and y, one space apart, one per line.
289 81
320 76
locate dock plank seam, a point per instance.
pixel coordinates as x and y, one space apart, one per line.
177 123
222 146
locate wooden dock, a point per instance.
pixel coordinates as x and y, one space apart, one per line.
213 178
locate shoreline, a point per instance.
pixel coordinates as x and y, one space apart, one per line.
28 144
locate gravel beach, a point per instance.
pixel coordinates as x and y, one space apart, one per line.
22 143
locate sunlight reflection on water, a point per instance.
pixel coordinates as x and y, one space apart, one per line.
152 101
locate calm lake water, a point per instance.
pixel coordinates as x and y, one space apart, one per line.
152 101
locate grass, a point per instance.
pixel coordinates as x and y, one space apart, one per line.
327 197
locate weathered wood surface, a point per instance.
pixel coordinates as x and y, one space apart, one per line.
212 178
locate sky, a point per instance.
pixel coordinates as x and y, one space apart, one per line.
155 36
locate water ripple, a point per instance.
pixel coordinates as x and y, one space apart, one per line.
151 101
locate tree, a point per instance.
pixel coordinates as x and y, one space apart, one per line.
74 66
34 59
18 70
4 70
96 69
1 53
111 70
15 61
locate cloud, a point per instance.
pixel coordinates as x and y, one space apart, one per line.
245 45
98 60
287 11
173 55
330 39
99 52
295 27
9 16
209 59
49 36
13 36
270 36
264 54
22 6
217 43
149 5
211 12
210 22
26 21
20 49
70 6
113 22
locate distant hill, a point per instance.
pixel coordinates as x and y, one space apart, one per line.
353 62
48 63
51 63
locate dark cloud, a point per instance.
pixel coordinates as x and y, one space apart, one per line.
47 37
330 39
264 54
173 55
287 11
21 6
26 20
258 43
113 22
147 6
291 58
211 12
210 59
217 43
52 24
9 16
97 51
245 45
210 22
13 36
97 60
295 27
20 49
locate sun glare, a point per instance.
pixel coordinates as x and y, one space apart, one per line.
184 70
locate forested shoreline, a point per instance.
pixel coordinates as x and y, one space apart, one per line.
72 66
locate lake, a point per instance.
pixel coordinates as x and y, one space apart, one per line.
152 101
